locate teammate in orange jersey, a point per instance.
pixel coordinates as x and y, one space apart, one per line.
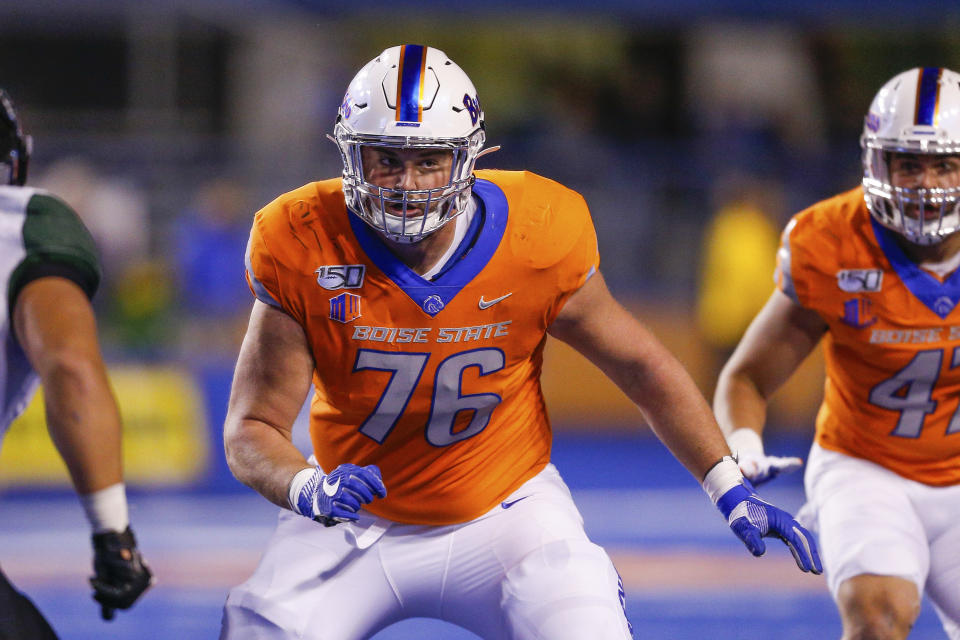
417 295
874 273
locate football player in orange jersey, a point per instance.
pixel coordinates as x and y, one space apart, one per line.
873 273
416 294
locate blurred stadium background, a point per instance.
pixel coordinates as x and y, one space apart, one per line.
693 128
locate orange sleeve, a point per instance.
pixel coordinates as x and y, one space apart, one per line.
583 259
807 258
261 267
552 233
270 263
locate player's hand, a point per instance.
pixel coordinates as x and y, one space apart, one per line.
763 468
337 496
753 519
120 574
757 466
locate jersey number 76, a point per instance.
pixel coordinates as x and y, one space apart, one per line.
406 369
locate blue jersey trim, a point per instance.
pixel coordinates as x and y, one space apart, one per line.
784 253
941 298
433 296
466 243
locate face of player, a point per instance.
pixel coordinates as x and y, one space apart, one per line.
400 170
924 171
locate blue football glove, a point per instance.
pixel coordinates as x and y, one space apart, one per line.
337 496
753 519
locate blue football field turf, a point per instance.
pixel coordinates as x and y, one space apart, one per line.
685 574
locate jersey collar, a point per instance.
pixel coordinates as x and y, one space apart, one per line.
941 298
433 295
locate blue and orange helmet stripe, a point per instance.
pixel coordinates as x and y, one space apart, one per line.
413 63
928 96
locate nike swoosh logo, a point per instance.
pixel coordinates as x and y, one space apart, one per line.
330 489
484 304
507 505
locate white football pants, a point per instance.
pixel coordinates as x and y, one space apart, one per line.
525 570
872 521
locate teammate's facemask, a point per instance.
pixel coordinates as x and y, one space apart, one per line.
916 112
15 147
409 97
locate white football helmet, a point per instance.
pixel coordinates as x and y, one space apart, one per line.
410 96
917 111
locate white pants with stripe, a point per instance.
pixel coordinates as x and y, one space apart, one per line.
524 570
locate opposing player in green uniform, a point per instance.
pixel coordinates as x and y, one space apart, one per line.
49 270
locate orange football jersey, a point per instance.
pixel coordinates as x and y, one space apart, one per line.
892 393
436 382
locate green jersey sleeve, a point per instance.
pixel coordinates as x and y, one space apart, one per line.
57 244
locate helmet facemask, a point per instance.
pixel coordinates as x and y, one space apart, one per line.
924 216
422 211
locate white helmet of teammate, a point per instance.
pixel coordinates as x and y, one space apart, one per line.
409 97
917 111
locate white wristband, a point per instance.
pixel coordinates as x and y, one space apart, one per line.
106 509
721 478
745 440
301 478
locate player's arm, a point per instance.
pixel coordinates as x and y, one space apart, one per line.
270 384
781 336
597 326
56 327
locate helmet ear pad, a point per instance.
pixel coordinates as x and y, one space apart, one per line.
15 147
915 112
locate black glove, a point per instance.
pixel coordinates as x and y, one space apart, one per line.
121 575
